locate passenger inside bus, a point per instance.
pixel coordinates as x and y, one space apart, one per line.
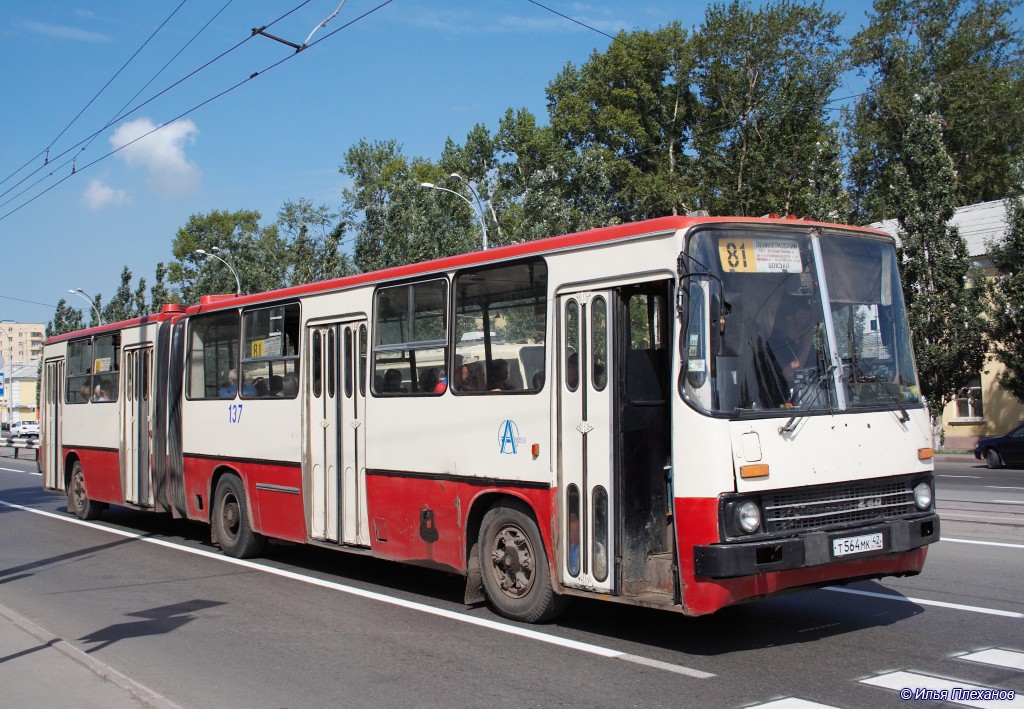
538 380
392 381
498 375
229 390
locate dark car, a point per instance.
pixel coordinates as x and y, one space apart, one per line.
998 451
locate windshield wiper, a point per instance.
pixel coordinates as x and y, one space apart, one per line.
815 381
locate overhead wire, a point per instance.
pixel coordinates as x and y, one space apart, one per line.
98 93
124 115
226 91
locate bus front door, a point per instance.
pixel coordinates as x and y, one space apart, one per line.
53 400
136 424
337 402
586 486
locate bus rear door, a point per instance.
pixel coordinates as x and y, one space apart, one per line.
336 399
136 424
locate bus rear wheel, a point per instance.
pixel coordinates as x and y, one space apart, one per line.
514 566
231 520
78 500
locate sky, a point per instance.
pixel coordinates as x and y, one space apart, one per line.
413 71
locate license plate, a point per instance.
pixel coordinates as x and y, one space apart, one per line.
857 545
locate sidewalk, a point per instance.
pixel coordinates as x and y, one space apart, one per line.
38 669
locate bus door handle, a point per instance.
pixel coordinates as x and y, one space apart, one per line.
584 427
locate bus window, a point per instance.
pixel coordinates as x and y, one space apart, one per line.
599 344
500 312
79 376
270 351
411 334
106 357
213 356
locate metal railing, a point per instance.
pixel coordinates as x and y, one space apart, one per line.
19 442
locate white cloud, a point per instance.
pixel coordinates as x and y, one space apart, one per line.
65 32
99 194
161 153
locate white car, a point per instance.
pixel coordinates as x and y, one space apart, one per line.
25 428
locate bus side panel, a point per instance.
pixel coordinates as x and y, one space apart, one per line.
102 471
422 519
278 501
272 491
698 525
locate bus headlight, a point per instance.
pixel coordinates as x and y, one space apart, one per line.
748 516
923 496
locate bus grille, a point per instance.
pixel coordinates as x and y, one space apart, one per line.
837 505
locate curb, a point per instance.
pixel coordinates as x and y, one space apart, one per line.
137 691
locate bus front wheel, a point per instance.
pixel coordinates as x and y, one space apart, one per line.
231 520
514 566
78 500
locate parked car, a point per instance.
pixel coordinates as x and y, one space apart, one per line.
25 428
998 451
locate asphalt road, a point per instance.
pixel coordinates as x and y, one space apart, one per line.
305 627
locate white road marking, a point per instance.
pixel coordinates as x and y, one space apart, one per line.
382 598
987 544
791 703
1003 487
969 477
906 682
924 602
1000 658
13 470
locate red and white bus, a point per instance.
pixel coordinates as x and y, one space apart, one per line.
681 413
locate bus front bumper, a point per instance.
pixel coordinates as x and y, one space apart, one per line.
730 560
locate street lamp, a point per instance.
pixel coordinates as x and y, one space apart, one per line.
88 298
217 249
477 210
476 195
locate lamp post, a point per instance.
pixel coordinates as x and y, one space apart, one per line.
480 202
215 249
8 394
477 209
88 298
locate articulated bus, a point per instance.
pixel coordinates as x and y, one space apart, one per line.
681 413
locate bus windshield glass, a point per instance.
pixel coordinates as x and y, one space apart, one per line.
768 322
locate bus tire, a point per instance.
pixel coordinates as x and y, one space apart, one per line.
231 520
78 501
515 569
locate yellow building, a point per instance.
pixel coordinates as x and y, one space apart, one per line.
20 350
981 408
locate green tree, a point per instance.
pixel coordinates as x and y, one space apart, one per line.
971 51
65 319
1006 298
159 293
313 242
765 141
632 107
944 299
256 253
124 305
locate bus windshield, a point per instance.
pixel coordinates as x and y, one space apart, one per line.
768 323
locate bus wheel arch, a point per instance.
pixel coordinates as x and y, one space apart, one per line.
513 561
79 503
230 518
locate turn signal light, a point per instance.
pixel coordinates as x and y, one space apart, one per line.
754 471
924 454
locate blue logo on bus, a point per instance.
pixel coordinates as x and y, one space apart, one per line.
509 438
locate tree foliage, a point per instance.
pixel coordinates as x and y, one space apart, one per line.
1006 297
944 300
256 253
971 52
65 319
765 141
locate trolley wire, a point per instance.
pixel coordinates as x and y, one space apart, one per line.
98 93
124 114
215 97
